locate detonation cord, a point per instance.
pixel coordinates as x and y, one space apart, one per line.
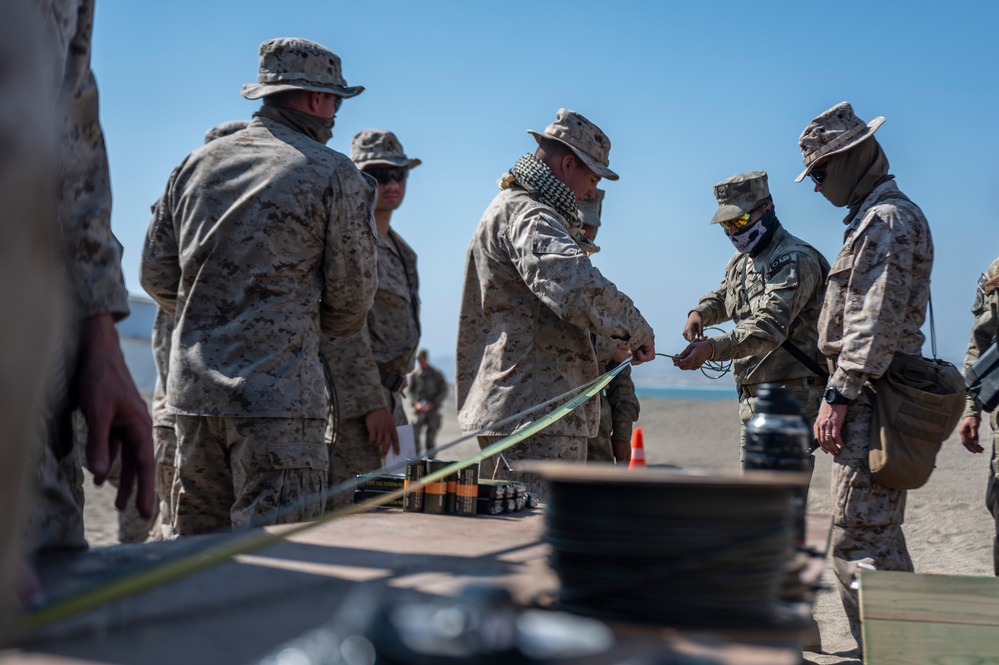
717 553
200 557
717 368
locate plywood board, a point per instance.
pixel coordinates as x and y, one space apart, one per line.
911 619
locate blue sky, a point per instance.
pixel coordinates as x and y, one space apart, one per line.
689 93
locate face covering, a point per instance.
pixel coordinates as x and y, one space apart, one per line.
754 238
316 128
852 175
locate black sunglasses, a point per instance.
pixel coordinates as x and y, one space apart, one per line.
818 174
387 174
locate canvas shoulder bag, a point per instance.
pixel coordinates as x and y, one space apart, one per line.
918 403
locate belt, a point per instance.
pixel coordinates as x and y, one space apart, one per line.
392 382
750 389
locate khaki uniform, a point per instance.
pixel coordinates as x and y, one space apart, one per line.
255 268
984 332
91 255
619 409
164 436
427 385
772 297
875 305
368 368
531 298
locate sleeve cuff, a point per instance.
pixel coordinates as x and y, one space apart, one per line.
848 385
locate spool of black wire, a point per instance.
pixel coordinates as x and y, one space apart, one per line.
671 548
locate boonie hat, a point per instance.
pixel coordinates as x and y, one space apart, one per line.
738 195
379 147
589 209
833 131
225 129
584 139
298 64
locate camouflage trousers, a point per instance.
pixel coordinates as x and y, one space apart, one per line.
867 517
235 472
538 447
992 491
599 448
165 451
352 454
56 519
427 425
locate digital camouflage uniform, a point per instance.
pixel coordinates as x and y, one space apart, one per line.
369 368
772 297
983 333
385 346
262 241
164 436
91 253
429 386
531 300
619 407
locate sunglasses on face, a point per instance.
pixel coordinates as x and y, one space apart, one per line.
337 104
385 175
738 222
818 174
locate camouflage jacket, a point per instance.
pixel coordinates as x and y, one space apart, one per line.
774 296
162 331
261 240
530 300
387 342
878 288
984 330
427 385
92 255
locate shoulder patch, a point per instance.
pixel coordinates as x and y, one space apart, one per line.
781 261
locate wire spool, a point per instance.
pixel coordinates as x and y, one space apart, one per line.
671 548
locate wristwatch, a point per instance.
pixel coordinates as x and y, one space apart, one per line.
833 396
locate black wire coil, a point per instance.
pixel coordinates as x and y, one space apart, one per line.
680 555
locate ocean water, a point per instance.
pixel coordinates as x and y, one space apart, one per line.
709 393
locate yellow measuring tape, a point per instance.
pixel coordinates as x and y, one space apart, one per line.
135 582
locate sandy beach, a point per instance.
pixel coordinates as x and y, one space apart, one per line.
948 528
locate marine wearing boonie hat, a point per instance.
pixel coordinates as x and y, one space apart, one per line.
379 147
831 132
739 195
289 63
585 139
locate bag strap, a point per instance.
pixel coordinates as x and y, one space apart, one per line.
933 330
812 366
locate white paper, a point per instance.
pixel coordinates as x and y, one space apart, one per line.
407 445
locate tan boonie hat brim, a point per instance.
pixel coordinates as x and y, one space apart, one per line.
844 141
407 163
595 166
258 90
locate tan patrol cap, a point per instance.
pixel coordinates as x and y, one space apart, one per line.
584 138
738 195
297 64
833 131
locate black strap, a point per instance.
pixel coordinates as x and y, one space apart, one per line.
804 360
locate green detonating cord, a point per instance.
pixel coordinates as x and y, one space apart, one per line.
146 579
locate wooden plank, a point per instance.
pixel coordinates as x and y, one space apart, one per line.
911 619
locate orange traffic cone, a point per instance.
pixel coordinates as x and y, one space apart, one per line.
637 449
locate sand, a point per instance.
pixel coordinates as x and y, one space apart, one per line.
948 528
